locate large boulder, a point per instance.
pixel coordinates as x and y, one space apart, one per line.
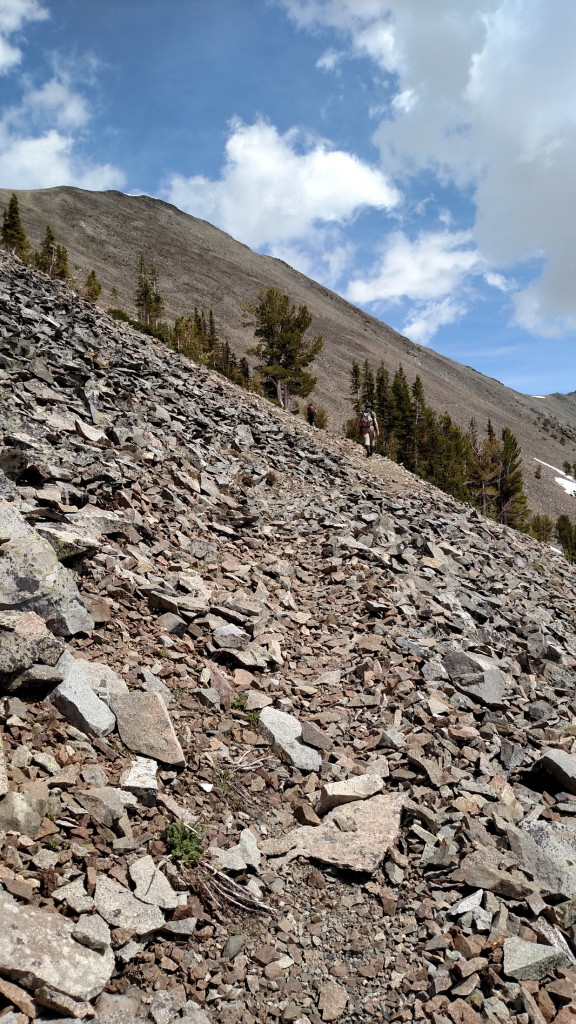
32 579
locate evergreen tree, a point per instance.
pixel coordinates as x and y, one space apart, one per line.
542 527
284 352
244 370
355 385
418 409
566 536
60 269
484 472
45 258
368 389
149 302
13 235
92 287
383 407
512 503
402 417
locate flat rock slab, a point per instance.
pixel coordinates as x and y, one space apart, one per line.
32 579
530 961
284 733
477 676
37 948
146 727
25 640
334 794
68 542
151 885
355 837
121 909
561 766
140 780
76 700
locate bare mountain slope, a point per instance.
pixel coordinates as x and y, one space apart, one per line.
199 264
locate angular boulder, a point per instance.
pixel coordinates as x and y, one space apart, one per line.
146 727
76 700
37 948
32 579
561 765
477 676
284 733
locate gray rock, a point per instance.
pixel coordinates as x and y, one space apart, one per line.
477 676
140 779
37 948
284 733
92 931
531 961
234 945
75 897
76 700
183 928
360 787
21 812
24 640
104 805
544 860
231 638
123 910
102 679
67 541
561 766
146 728
151 885
32 579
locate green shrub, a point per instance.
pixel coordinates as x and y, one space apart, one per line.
184 842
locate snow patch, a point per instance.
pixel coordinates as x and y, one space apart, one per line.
568 483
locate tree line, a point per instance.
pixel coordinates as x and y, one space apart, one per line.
475 467
51 257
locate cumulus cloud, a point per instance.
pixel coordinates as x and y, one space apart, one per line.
42 135
436 264
424 322
13 15
275 189
484 100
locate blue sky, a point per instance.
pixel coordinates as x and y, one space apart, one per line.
419 158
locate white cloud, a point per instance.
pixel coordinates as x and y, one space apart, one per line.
50 159
276 189
498 281
484 99
436 264
13 15
329 60
425 321
41 136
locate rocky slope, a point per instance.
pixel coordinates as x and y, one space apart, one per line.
354 693
199 264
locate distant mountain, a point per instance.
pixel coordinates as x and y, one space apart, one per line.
200 265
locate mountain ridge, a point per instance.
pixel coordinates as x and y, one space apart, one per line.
198 264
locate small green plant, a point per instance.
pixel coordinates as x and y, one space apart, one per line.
163 653
252 717
184 842
53 844
239 703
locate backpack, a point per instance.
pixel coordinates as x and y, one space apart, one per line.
366 421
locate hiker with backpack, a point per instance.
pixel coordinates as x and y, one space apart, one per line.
367 426
311 413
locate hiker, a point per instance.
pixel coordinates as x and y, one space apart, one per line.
367 426
311 413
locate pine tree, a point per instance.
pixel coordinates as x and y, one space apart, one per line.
92 287
402 417
60 269
566 536
149 302
285 353
418 409
355 384
244 369
383 407
484 472
367 386
45 258
13 235
542 527
512 503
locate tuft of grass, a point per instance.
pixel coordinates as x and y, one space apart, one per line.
239 703
184 842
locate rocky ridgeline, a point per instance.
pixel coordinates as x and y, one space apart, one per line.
355 693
